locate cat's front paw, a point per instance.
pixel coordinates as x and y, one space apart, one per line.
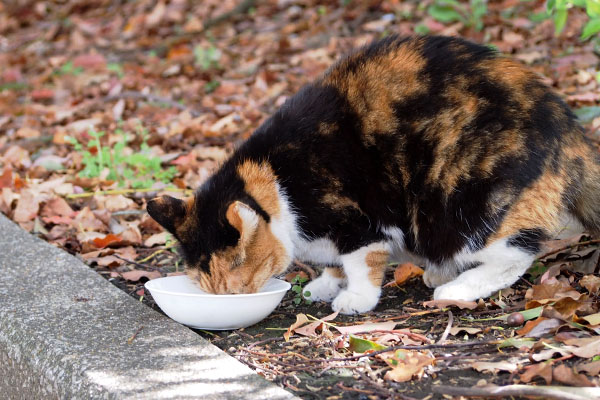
453 291
324 288
348 302
433 277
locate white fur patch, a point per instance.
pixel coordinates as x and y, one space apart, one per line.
502 266
325 287
322 251
360 294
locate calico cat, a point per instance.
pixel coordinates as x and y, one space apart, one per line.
427 146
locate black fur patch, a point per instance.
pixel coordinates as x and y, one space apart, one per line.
528 240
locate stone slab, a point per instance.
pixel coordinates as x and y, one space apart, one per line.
64 333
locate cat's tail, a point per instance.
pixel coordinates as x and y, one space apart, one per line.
586 204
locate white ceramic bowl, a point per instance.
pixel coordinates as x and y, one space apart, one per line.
187 304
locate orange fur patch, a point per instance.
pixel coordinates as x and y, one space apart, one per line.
377 262
260 182
377 83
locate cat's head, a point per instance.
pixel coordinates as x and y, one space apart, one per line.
227 246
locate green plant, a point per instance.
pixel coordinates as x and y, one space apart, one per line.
471 14
211 86
559 10
69 69
297 284
207 58
138 169
116 68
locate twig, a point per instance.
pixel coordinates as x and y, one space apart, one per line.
126 191
157 252
585 243
130 340
548 392
152 98
448 327
135 263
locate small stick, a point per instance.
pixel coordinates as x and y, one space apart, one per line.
135 263
130 340
448 327
585 243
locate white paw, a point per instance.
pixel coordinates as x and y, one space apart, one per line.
324 288
454 291
353 303
433 277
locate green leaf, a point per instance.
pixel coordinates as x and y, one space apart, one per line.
517 343
444 14
307 293
560 19
550 5
592 7
359 345
296 289
527 314
586 114
590 29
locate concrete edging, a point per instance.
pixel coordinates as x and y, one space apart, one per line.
53 345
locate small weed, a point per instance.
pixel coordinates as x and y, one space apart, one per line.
116 68
13 86
536 270
207 58
421 29
297 284
138 169
69 69
471 14
559 11
211 86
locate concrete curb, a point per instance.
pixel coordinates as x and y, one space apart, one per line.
54 343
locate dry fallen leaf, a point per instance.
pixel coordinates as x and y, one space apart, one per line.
406 364
591 283
403 273
567 375
494 367
470 305
543 370
136 275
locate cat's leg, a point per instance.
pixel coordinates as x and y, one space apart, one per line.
494 267
364 270
437 275
326 286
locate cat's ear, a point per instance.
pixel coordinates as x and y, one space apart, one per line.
167 211
243 218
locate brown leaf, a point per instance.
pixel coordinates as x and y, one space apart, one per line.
301 319
404 272
539 327
27 206
495 366
6 179
592 368
311 329
85 220
57 206
136 275
457 329
471 305
107 240
543 370
157 238
591 283
589 350
568 376
406 364
375 326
